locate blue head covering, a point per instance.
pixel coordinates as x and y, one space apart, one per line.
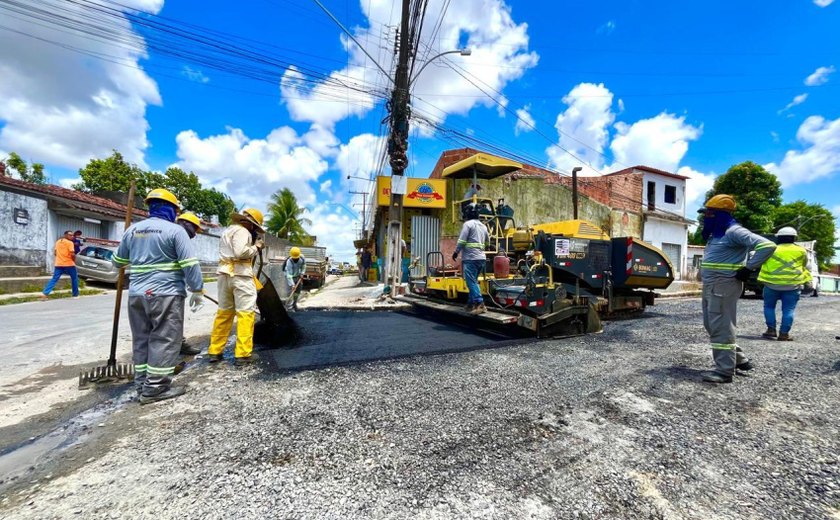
717 225
162 209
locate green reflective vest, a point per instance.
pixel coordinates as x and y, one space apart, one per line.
787 266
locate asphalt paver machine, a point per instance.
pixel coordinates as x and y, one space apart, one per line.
555 278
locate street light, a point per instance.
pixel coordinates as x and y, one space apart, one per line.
462 52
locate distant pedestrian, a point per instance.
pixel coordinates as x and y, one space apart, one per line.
367 262
724 273
162 268
65 263
783 276
78 241
472 241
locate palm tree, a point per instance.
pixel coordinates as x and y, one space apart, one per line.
285 217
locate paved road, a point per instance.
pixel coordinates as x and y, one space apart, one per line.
70 332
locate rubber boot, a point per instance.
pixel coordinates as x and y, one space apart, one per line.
478 309
469 307
221 331
189 350
244 333
169 393
785 336
716 377
746 366
770 333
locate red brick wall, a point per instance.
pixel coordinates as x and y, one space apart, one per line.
622 191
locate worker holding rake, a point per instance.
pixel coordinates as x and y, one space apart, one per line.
162 265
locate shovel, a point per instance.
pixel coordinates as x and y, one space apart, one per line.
113 372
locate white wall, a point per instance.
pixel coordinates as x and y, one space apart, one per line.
23 244
658 232
661 181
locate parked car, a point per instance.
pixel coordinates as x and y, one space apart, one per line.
94 263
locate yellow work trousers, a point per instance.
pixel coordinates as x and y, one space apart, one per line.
237 298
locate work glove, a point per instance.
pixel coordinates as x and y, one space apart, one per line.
290 280
454 256
196 301
743 274
260 243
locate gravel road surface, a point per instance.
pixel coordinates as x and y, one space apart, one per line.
615 425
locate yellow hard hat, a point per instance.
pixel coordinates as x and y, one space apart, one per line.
190 217
722 202
294 252
255 214
164 195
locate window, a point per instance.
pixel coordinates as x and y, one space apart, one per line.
670 194
651 195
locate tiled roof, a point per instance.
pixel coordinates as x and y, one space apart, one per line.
71 197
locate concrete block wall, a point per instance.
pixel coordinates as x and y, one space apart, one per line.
23 244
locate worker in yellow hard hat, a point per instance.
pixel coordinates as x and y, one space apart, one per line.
192 225
237 287
294 268
724 272
162 266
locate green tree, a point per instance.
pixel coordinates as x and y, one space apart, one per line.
814 222
285 217
757 192
34 174
213 202
113 173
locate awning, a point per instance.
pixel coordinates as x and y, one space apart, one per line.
482 165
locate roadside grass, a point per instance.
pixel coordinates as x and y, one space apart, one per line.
33 288
53 296
209 279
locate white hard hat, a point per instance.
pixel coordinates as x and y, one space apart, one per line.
786 231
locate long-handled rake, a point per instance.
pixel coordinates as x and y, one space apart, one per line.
112 371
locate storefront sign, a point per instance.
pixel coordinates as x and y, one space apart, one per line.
21 216
420 193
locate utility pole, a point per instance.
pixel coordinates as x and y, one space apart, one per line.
397 148
364 210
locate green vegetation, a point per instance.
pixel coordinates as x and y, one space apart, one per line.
53 296
34 173
285 218
209 279
760 209
114 173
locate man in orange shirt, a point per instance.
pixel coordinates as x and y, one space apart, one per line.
65 263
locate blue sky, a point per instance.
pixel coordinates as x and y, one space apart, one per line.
691 88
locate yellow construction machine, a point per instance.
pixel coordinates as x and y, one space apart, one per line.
552 278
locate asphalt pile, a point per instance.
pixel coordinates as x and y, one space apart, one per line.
615 425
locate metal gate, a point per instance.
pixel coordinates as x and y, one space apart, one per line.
89 229
674 253
425 238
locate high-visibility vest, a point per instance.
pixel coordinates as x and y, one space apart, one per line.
787 266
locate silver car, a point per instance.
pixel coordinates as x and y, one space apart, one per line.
94 263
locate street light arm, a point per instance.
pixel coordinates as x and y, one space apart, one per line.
462 52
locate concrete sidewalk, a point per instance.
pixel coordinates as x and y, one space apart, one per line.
349 293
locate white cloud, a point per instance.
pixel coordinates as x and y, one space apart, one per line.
823 3
797 100
607 28
819 76
194 74
583 128
68 183
336 229
359 158
819 157
499 49
525 121
250 170
695 188
325 187
775 136
661 141
63 108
